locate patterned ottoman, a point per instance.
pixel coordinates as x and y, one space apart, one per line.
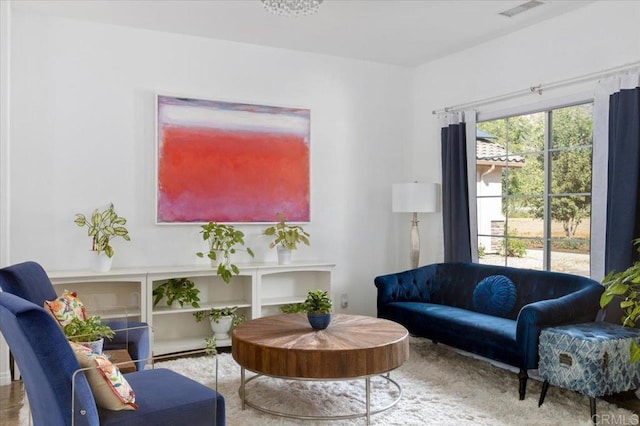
590 358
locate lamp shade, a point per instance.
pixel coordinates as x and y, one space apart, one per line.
414 197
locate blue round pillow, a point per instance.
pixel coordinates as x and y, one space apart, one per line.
495 295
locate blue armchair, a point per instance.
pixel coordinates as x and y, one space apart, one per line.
29 281
56 398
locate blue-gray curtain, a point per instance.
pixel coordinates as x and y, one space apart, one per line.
623 189
455 194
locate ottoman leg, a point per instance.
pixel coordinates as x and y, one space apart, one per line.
543 393
592 406
522 377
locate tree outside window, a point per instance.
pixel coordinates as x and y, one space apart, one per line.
534 190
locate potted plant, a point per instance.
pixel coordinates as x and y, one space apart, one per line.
180 290
318 307
223 241
625 287
90 332
102 227
221 319
210 346
287 238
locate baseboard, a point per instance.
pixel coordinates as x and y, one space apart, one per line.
5 378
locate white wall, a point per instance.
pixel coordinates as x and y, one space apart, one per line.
596 37
83 135
5 25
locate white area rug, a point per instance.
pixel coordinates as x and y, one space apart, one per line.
440 387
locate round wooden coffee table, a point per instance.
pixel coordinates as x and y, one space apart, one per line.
353 346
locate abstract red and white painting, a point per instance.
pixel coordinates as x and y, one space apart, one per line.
231 162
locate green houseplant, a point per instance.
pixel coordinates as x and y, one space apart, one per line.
223 241
318 307
90 332
625 287
180 290
286 238
318 302
103 226
214 315
221 319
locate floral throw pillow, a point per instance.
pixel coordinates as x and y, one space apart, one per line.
66 307
109 387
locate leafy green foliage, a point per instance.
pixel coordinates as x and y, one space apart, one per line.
215 314
287 235
513 247
571 134
89 330
625 286
102 228
293 308
570 168
180 290
210 346
223 240
318 302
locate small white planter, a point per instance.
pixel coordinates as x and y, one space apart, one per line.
100 262
222 327
95 346
284 255
220 258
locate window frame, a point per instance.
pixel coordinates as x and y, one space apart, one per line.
547 108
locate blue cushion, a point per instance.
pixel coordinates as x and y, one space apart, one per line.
494 295
168 398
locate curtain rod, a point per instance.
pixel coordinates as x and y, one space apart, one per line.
539 88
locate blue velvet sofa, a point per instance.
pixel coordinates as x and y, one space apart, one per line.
440 302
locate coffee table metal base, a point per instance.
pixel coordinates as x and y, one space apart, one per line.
367 413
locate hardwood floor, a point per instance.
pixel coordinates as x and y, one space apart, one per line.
13 409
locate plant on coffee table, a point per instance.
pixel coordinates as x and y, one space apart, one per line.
318 307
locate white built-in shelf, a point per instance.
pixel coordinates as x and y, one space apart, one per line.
168 310
260 289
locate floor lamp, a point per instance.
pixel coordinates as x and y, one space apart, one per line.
414 197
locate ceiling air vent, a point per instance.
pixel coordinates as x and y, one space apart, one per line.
522 8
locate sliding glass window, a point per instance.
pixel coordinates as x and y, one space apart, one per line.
533 175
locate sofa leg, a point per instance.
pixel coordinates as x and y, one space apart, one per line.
522 377
545 388
435 342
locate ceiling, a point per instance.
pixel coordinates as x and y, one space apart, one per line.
406 33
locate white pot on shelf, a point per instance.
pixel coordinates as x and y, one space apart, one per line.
220 258
222 327
284 255
99 261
